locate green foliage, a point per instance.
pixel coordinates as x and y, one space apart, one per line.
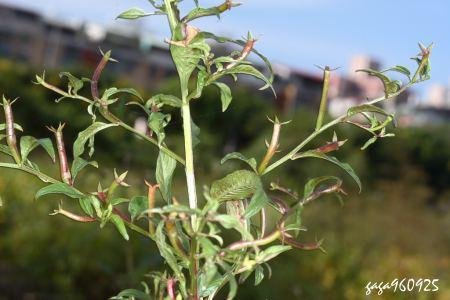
189 236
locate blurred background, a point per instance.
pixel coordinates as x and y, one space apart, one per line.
397 227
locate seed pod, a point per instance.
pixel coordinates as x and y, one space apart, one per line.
72 216
151 205
66 176
11 139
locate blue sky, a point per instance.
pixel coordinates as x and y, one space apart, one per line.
302 33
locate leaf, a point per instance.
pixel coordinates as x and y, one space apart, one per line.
75 84
59 188
365 108
16 126
390 87
84 136
346 167
237 185
186 59
163 99
400 69
132 294
225 95
232 222
369 142
113 91
165 167
86 205
200 12
78 164
236 155
272 252
133 13
241 43
195 134
157 121
167 253
252 71
258 202
120 226
137 206
311 185
29 143
259 275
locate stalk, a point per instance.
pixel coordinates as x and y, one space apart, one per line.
324 99
189 157
11 139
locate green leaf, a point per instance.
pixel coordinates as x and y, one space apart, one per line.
16 126
400 69
272 252
107 94
225 94
163 99
366 108
137 206
259 275
390 87
132 294
165 167
369 142
232 222
195 134
200 12
235 186
84 136
133 13
312 184
241 43
29 143
252 71
346 167
86 205
186 59
157 121
258 202
167 252
59 188
120 226
75 84
236 155
79 164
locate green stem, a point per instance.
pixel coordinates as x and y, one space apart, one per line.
324 99
113 119
190 175
173 21
324 128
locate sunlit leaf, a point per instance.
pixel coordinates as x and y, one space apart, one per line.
120 226
346 167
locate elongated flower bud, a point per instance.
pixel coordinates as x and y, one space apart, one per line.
72 216
151 204
11 139
64 169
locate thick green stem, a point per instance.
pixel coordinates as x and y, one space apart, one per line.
190 176
324 99
173 22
